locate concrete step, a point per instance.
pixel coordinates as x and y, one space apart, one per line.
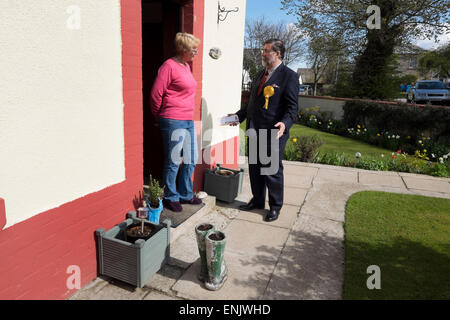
192 221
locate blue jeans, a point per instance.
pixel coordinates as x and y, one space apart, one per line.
178 136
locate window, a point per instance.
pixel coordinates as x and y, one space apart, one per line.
413 63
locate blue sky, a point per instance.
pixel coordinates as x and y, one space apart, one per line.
271 9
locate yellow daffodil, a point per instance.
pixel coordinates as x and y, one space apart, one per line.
358 130
358 126
425 150
295 139
378 134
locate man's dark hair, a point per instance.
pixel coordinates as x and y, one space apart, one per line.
277 45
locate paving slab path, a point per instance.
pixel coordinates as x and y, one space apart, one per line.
298 256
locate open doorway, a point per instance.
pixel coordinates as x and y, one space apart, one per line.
161 20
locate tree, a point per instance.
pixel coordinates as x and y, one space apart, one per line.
324 55
437 61
258 31
399 21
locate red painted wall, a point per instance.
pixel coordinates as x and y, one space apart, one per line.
2 214
35 254
193 22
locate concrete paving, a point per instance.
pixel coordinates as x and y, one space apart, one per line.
299 256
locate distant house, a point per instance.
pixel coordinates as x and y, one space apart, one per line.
306 77
408 61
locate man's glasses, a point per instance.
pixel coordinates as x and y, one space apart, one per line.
266 50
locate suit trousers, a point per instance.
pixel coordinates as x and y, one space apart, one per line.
264 173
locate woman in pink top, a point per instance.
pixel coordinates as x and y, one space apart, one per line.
172 103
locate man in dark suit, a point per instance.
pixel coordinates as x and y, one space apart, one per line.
271 127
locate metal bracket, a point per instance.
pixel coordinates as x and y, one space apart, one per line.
222 13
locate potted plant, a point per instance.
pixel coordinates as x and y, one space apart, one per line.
133 260
154 200
223 183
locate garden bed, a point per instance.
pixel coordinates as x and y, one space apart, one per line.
340 150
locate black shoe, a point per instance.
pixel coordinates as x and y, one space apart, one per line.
173 205
272 215
250 206
194 200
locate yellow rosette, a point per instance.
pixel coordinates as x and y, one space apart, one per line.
268 92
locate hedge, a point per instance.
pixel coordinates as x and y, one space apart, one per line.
401 118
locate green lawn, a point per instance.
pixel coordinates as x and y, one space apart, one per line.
407 236
335 143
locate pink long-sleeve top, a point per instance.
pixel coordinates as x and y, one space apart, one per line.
173 92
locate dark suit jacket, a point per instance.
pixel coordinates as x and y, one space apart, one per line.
283 105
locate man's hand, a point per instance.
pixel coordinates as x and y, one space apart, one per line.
234 123
281 127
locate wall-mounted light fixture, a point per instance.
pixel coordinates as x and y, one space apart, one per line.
215 53
222 13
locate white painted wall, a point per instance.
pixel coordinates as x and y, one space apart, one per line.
222 78
61 104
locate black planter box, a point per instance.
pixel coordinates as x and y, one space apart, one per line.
224 188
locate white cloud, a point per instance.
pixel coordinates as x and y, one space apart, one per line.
432 44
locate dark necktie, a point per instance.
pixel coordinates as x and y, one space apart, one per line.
263 80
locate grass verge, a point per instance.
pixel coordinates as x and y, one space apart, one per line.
406 236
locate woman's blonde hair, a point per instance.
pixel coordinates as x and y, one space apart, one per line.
185 41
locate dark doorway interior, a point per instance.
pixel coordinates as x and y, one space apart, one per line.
161 20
